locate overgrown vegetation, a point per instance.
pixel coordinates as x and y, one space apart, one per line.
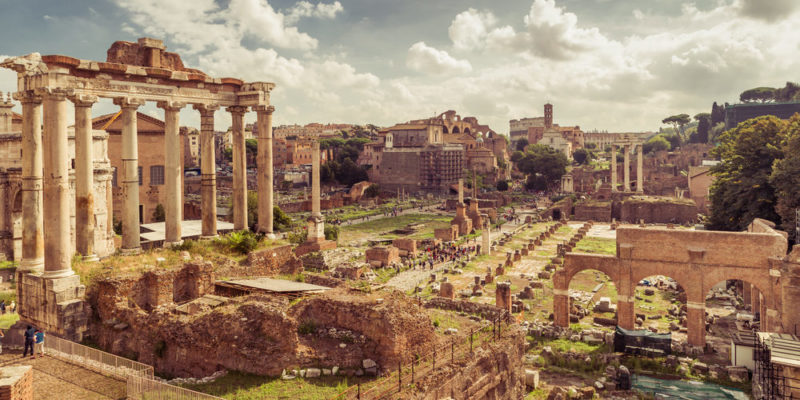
242 242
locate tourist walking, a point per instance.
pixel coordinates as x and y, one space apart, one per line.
40 342
2 306
13 307
1 341
29 337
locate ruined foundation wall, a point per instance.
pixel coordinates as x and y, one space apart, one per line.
494 372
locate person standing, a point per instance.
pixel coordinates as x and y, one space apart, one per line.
2 306
1 343
29 336
39 342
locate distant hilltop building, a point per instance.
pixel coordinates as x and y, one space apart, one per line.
313 129
542 130
431 154
737 113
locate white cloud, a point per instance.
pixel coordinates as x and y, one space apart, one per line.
424 58
259 20
305 9
469 29
768 10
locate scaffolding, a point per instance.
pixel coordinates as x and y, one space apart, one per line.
777 366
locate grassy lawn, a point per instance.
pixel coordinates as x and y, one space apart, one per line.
381 228
597 246
241 386
6 320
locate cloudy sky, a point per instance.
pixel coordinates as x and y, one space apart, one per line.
616 65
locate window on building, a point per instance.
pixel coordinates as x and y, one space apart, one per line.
114 177
141 179
156 174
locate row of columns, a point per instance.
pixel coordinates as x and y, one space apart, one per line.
626 184
45 176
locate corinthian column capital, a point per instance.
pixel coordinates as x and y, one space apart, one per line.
171 105
266 109
28 96
129 102
206 108
83 100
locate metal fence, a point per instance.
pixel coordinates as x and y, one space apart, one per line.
95 360
138 376
142 388
404 376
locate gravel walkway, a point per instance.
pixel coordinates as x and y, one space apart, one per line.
55 379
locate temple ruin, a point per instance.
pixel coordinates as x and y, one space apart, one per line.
50 294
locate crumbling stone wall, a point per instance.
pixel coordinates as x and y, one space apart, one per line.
392 323
486 311
494 371
273 261
660 211
596 211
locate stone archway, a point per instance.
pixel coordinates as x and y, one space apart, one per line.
455 130
697 260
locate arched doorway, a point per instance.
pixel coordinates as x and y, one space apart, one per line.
660 305
456 130
593 299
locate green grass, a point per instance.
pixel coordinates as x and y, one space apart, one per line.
596 245
8 319
242 386
8 264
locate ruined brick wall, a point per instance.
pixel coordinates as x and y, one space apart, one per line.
133 54
486 311
666 211
600 212
273 261
382 256
391 323
17 383
494 371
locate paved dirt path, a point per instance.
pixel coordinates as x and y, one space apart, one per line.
55 379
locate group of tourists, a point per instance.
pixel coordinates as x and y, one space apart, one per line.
34 341
12 308
440 253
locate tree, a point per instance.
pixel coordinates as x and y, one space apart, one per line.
591 146
760 94
521 144
717 114
656 143
785 177
673 139
581 156
742 190
280 221
678 121
517 156
703 127
502 186
790 92
372 190
158 214
544 166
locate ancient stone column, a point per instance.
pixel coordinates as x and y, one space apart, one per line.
173 173
315 186
239 168
486 241
613 168
84 177
208 170
130 173
316 223
57 255
32 216
265 175
460 191
627 169
696 323
639 173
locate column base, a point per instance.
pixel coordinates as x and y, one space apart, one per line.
91 258
58 274
31 266
212 237
270 235
130 252
311 247
172 244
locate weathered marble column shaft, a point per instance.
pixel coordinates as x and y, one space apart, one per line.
130 173
208 170
639 171
57 254
613 168
460 191
627 169
239 195
32 205
173 173
265 173
315 186
84 176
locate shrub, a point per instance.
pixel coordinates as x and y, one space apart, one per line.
331 232
307 327
242 241
372 191
502 186
297 236
280 221
159 215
